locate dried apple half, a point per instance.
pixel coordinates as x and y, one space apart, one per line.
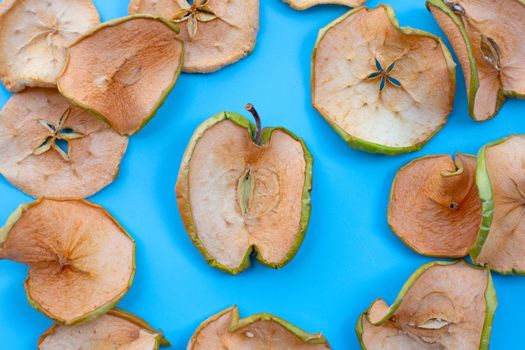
216 33
117 329
81 261
383 88
305 4
49 148
34 35
501 184
444 305
434 205
226 330
123 70
487 37
244 189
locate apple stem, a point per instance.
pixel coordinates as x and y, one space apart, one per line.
258 133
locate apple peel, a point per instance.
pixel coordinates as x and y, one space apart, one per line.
123 70
81 261
383 88
261 331
487 38
216 33
434 205
444 305
34 35
237 196
52 149
116 329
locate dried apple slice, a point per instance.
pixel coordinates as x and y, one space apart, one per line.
382 88
444 305
81 261
487 38
216 33
117 329
123 70
34 35
305 4
501 184
226 330
50 149
434 205
242 189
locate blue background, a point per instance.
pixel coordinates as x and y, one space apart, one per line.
349 256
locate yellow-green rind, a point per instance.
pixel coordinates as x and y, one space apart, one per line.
359 143
487 201
160 340
333 2
237 324
408 244
473 87
164 93
4 232
491 302
185 205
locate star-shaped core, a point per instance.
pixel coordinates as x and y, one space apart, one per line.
385 76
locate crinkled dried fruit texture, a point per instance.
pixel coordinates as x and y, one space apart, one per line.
443 306
235 196
115 330
124 70
81 261
263 331
216 33
304 4
501 184
33 124
434 205
34 35
487 38
382 88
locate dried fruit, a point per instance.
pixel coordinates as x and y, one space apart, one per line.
242 189
444 305
216 33
261 331
304 4
500 181
115 330
34 35
383 88
487 38
50 149
81 261
434 205
123 70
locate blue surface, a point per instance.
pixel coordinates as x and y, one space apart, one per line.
349 256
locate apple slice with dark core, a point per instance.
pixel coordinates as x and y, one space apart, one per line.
244 189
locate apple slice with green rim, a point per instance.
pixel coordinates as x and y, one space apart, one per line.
434 205
306 4
262 331
501 185
487 38
81 261
123 70
443 305
244 189
117 329
383 88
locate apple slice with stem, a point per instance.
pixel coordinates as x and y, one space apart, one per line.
244 189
